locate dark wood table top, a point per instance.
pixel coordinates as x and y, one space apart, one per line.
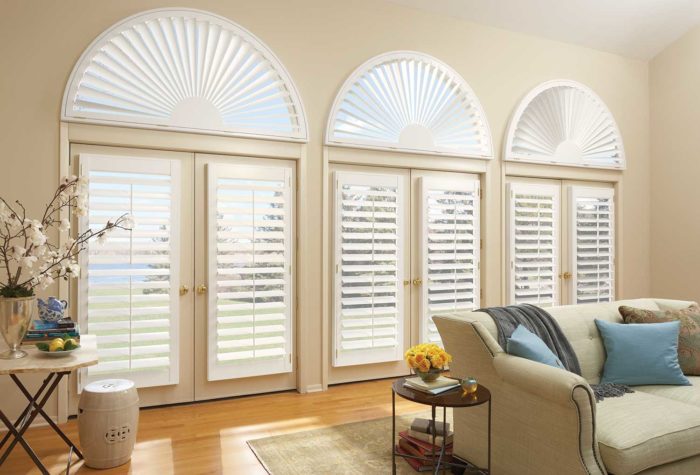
451 398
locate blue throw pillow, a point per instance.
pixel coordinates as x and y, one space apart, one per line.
641 353
526 344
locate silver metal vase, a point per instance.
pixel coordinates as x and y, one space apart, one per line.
15 317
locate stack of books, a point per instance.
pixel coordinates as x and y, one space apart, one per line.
418 442
440 385
42 332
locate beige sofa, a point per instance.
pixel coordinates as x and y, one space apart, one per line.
546 421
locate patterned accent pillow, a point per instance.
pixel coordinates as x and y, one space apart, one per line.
688 339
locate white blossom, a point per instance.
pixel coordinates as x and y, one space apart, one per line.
27 261
39 250
128 222
34 234
16 252
65 225
102 238
73 269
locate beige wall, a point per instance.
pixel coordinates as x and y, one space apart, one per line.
675 148
321 42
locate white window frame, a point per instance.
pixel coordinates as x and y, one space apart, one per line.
553 190
217 372
178 82
383 354
466 183
529 128
88 162
575 192
392 86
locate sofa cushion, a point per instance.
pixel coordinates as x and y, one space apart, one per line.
689 337
641 353
685 394
526 344
642 430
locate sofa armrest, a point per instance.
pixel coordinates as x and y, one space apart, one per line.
541 380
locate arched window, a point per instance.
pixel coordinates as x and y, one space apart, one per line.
409 101
566 123
184 69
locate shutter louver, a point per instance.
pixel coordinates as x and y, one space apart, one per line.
129 285
450 250
369 272
184 69
566 123
250 269
409 101
593 244
534 244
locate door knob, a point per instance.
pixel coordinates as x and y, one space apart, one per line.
417 281
201 289
565 275
184 289
406 282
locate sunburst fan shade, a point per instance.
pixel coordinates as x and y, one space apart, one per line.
413 102
188 70
566 123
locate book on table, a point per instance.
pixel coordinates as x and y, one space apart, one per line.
428 426
42 332
425 448
440 385
419 449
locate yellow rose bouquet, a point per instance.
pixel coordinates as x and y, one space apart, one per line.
427 360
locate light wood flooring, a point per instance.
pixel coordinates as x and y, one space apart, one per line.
210 437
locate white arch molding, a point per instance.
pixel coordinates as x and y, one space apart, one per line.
188 70
564 122
408 101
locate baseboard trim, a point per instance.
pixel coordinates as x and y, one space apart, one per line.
38 422
313 388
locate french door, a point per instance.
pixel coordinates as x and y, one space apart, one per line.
197 300
405 248
560 242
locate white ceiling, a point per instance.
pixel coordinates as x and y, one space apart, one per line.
634 28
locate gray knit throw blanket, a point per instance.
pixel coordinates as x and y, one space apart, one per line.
544 326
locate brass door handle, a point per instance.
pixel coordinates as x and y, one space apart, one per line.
417 281
565 276
201 289
406 282
184 290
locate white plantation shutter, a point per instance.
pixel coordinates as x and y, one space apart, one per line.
369 240
128 292
592 244
450 249
250 270
533 227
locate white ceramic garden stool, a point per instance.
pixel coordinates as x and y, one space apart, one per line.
108 418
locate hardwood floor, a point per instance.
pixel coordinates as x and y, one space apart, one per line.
210 437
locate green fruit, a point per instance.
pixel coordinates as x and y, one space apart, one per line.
70 344
43 346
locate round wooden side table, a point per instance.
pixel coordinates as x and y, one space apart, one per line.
452 398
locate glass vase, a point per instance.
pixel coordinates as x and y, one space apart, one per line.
15 317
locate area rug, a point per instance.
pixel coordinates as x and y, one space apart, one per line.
358 448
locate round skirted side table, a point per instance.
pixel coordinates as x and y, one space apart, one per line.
452 398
